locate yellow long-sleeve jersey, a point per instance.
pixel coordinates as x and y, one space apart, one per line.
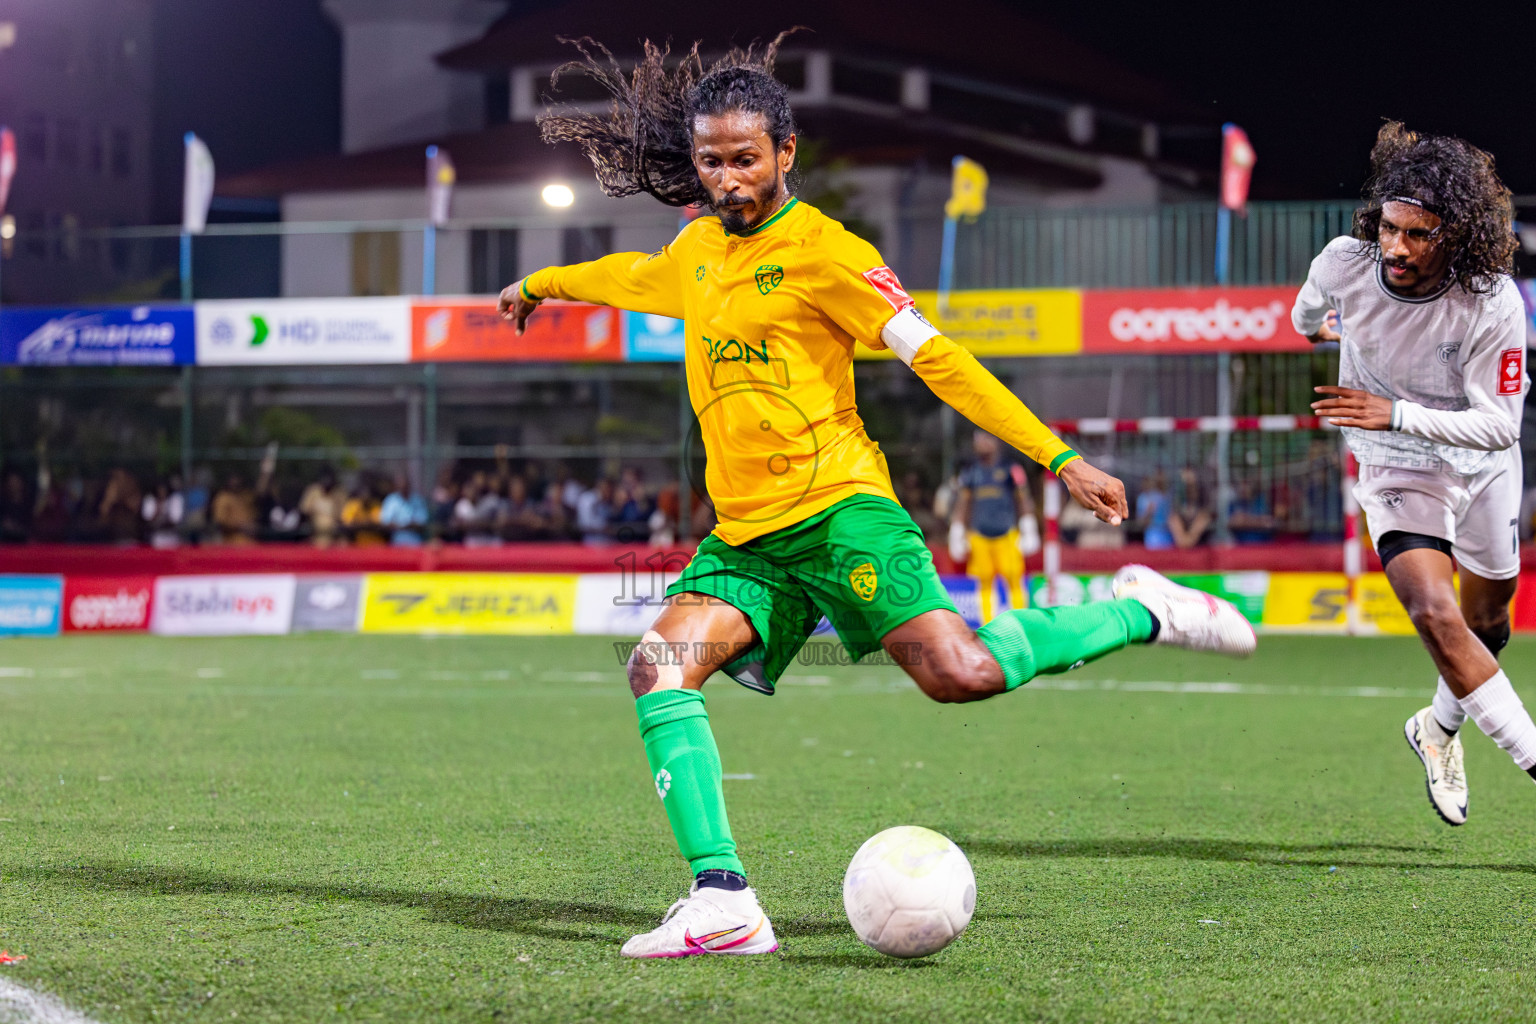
771 317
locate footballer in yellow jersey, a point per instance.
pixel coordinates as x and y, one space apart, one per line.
774 295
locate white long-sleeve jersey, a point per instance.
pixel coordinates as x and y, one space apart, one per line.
1453 362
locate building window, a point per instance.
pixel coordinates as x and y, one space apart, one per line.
66 143
33 243
34 138
122 153
498 99
581 245
790 71
376 263
492 260
866 82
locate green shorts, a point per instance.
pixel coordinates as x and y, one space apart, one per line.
862 563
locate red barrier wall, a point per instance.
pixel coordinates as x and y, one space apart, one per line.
96 560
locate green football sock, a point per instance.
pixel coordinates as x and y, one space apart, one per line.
685 765
1040 641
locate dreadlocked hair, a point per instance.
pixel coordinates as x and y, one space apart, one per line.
1452 179
645 141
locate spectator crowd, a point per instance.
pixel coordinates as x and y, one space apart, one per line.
475 507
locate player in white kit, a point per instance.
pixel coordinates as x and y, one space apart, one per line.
1431 388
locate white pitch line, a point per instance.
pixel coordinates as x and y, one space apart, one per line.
20 1005
1245 689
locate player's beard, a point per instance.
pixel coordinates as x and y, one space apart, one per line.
733 216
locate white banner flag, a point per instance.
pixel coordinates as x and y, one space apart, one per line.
197 191
440 180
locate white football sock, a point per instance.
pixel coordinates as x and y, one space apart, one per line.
1447 710
1496 708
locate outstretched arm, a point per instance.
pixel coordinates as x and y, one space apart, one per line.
643 282
955 376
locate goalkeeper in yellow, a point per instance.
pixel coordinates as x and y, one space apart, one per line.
774 296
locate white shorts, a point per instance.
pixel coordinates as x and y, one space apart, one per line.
1479 515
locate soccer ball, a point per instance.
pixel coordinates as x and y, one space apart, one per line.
909 891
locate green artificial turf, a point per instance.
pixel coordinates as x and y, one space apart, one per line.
319 828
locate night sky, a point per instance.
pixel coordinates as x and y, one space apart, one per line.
1310 82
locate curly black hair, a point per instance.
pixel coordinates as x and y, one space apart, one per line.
645 142
1453 179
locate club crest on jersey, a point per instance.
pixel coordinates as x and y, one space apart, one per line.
1447 351
885 281
1392 498
864 581
1511 370
769 277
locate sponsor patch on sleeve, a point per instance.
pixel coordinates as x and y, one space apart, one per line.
1511 370
884 281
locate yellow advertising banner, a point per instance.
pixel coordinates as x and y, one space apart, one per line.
1005 321
1316 602
468 603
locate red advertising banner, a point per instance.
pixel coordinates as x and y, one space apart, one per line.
1176 321
98 604
468 330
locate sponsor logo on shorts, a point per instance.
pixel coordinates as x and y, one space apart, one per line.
663 783
885 281
864 581
1391 498
1511 371
769 277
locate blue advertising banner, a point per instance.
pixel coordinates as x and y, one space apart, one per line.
649 338
97 336
29 605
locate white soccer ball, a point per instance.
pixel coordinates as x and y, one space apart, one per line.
909 891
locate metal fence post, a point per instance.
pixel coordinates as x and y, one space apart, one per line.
186 426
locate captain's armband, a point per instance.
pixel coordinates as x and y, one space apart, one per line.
906 333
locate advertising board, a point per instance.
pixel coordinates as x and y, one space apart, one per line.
101 604
30 605
1176 321
327 604
469 330
287 332
97 336
469 603
245 605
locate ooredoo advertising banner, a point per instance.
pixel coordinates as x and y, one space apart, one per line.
469 330
222 605
29 605
99 604
286 332
1178 321
97 336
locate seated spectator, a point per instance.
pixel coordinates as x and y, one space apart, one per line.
283 520
1152 513
663 522
632 507
360 515
194 520
445 495
50 524
557 519
162 511
1248 515
16 508
1083 529
233 513
594 513
477 513
405 513
522 517
1192 518
321 504
120 508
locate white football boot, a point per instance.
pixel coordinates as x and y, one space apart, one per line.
1445 778
1187 617
708 920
